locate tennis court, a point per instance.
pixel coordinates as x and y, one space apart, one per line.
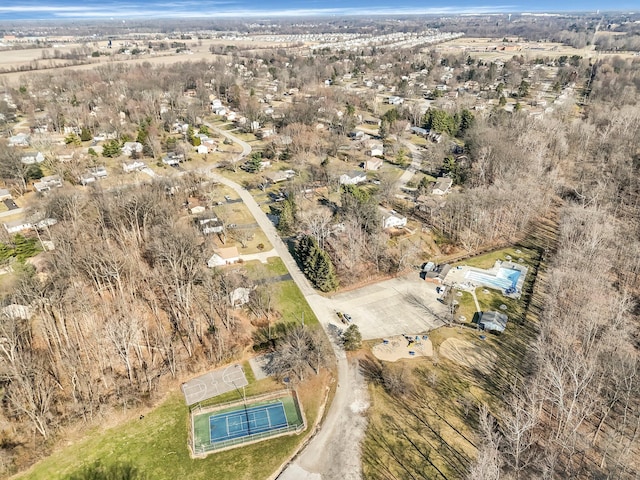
247 421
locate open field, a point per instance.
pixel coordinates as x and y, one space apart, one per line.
425 413
157 444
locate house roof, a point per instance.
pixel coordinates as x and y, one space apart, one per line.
227 252
443 183
492 320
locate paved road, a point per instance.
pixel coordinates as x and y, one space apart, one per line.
334 452
9 213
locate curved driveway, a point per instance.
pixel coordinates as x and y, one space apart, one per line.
334 452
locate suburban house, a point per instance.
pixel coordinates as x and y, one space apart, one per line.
197 210
276 177
395 100
133 166
32 158
17 226
129 148
170 160
16 311
98 172
422 132
435 273
493 321
47 183
202 149
4 194
393 219
352 178
211 225
375 150
224 256
19 140
86 178
373 164
442 186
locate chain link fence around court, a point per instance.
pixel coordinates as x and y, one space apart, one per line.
201 420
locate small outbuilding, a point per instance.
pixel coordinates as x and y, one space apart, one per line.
493 321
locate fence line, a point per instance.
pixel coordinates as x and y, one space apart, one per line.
197 410
248 438
263 396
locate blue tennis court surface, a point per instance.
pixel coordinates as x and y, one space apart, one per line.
243 422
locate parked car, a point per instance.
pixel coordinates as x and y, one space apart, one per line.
347 317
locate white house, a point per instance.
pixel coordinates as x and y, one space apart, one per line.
47 183
17 226
16 311
32 158
375 150
224 256
373 164
99 172
394 220
4 194
19 140
130 147
133 166
202 149
395 100
86 178
352 178
442 186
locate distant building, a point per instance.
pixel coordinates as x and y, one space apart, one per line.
129 148
19 140
352 178
17 226
47 183
373 164
394 220
442 186
133 166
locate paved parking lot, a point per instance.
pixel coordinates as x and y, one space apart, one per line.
393 307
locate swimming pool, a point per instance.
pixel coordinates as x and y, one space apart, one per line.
503 279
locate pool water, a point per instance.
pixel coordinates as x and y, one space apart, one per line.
503 279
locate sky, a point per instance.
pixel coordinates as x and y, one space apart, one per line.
139 9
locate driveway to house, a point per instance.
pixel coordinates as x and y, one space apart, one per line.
416 161
334 451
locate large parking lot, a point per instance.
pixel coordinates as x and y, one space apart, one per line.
393 307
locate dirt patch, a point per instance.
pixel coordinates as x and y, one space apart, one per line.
398 347
469 355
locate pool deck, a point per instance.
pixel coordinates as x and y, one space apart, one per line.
456 278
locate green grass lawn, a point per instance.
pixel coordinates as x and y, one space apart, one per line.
157 446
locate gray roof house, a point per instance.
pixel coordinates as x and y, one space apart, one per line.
352 178
442 186
493 321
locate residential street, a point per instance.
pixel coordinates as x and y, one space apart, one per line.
334 452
